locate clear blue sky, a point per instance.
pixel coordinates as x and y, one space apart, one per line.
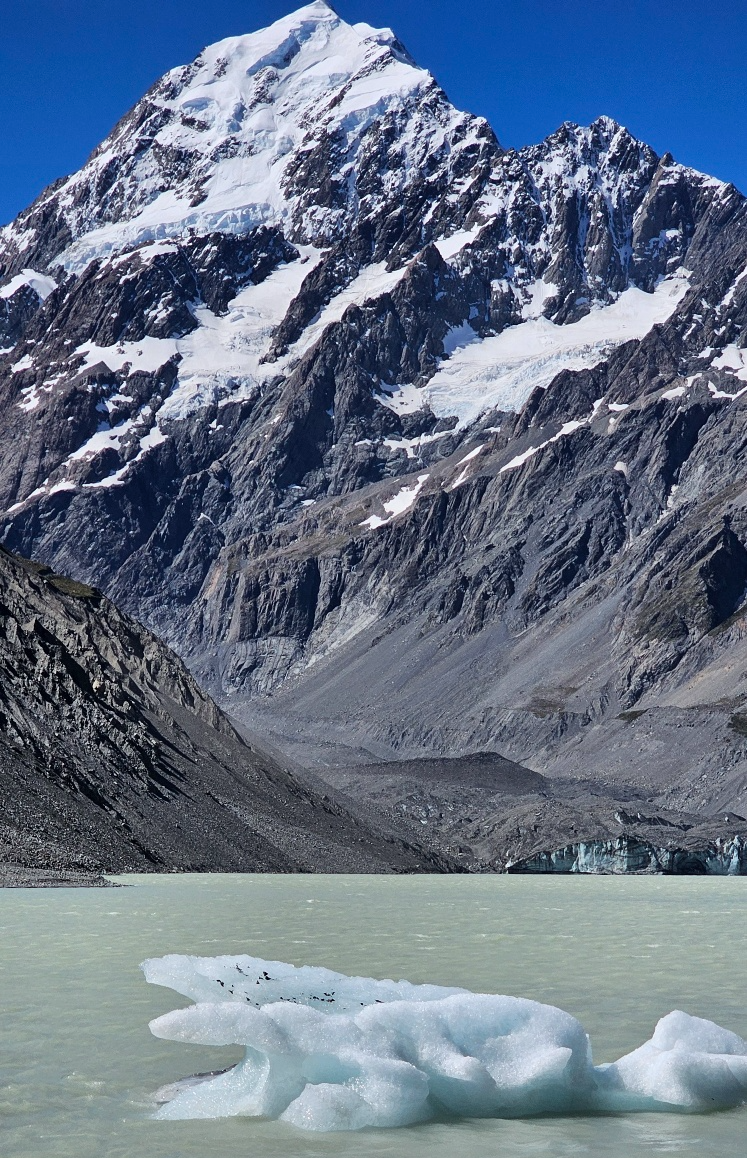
673 71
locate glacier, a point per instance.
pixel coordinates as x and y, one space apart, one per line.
326 1052
500 372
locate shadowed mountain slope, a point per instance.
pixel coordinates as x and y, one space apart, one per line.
111 758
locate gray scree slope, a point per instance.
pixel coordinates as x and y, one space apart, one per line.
112 759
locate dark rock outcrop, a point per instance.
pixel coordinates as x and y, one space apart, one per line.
112 759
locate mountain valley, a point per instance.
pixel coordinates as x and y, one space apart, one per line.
113 760
414 449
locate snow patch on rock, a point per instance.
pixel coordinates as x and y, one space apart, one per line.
463 476
397 504
566 429
500 372
40 283
372 282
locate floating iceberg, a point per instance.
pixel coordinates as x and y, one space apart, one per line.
330 1052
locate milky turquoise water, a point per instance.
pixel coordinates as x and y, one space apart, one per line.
78 1064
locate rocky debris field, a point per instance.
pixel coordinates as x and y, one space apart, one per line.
491 815
113 760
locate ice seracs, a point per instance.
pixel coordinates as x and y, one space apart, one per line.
330 1052
500 372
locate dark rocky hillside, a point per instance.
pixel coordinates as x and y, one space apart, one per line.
112 759
489 814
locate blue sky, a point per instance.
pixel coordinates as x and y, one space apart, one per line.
674 73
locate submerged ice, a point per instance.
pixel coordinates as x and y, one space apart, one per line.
330 1052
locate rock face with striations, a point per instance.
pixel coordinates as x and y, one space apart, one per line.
392 433
112 759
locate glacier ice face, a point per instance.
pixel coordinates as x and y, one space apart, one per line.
330 1052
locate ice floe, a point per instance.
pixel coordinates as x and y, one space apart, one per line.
329 1052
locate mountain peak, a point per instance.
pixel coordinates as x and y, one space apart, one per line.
599 133
215 144
302 23
608 125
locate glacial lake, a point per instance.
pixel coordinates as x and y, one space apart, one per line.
78 1064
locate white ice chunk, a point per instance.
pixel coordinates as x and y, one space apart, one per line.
330 1052
689 1064
263 982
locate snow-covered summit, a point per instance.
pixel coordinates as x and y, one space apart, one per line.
309 305
229 142
255 197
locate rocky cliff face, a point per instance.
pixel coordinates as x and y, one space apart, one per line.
437 443
113 759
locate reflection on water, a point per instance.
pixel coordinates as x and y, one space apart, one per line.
78 1065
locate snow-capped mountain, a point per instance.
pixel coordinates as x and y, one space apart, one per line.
309 126
302 360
